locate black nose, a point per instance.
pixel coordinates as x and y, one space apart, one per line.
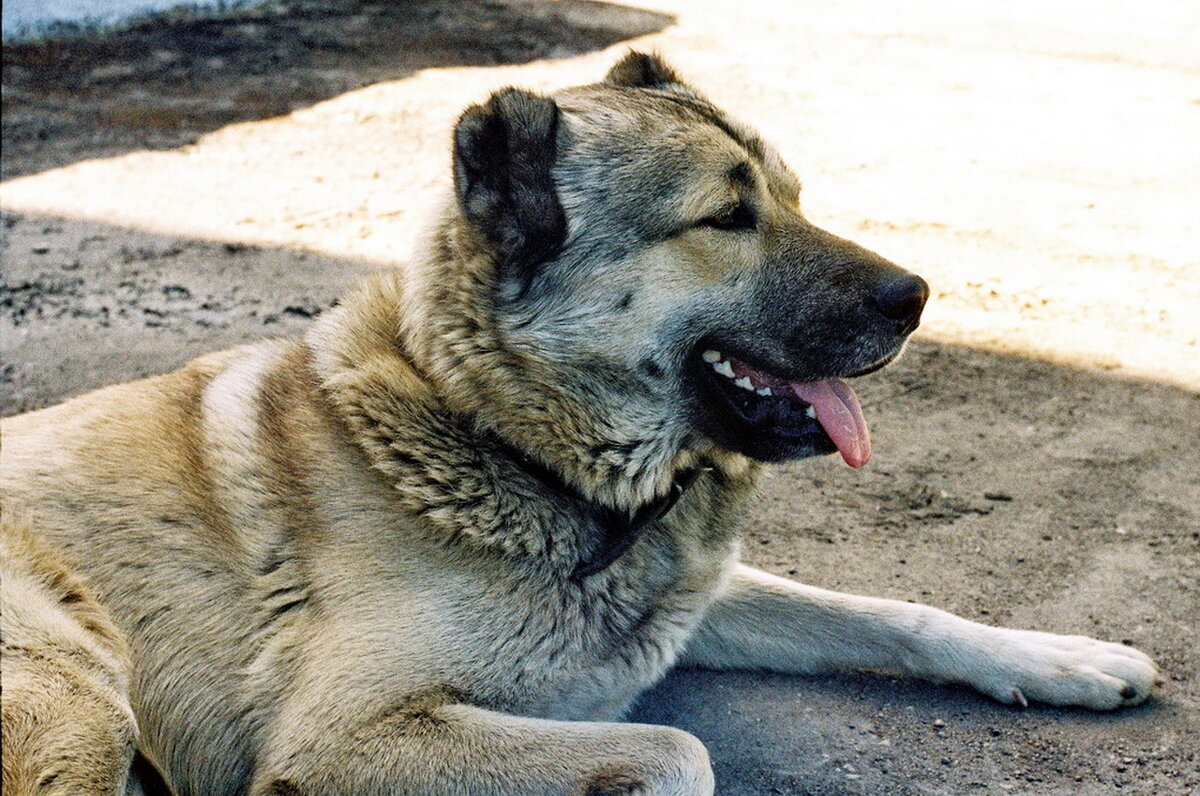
902 299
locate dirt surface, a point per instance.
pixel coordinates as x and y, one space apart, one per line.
194 183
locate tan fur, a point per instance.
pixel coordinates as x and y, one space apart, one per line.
336 575
67 724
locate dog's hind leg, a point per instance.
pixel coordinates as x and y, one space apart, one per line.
761 621
423 748
65 719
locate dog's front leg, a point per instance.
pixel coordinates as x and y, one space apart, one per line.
422 749
762 621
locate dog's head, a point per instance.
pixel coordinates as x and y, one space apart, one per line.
650 271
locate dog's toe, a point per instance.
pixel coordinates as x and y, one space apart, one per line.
1070 670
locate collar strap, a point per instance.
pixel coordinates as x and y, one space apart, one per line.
621 529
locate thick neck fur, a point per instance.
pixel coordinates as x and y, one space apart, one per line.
442 468
413 361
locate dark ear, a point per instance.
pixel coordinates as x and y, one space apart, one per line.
640 70
503 153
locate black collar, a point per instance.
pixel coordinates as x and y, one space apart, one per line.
621 529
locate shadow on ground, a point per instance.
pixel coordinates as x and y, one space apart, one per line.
164 82
869 734
1008 490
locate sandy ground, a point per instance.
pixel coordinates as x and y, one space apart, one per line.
195 183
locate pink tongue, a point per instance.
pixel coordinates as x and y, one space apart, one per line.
840 414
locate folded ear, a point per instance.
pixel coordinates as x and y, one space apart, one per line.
503 154
642 70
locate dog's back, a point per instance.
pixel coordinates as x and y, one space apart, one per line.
67 723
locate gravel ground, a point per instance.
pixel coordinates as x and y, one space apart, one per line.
192 183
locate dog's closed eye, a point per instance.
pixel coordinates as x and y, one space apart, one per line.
731 219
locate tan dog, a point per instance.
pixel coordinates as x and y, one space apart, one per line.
441 544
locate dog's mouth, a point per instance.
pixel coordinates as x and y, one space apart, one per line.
822 416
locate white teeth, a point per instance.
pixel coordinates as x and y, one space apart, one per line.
744 383
765 391
724 368
711 357
810 412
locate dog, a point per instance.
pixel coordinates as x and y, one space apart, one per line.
441 543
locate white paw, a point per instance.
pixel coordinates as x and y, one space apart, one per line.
1026 666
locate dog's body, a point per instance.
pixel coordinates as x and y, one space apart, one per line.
442 543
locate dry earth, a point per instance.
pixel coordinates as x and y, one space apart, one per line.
192 183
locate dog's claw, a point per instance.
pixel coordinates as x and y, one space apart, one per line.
1019 698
